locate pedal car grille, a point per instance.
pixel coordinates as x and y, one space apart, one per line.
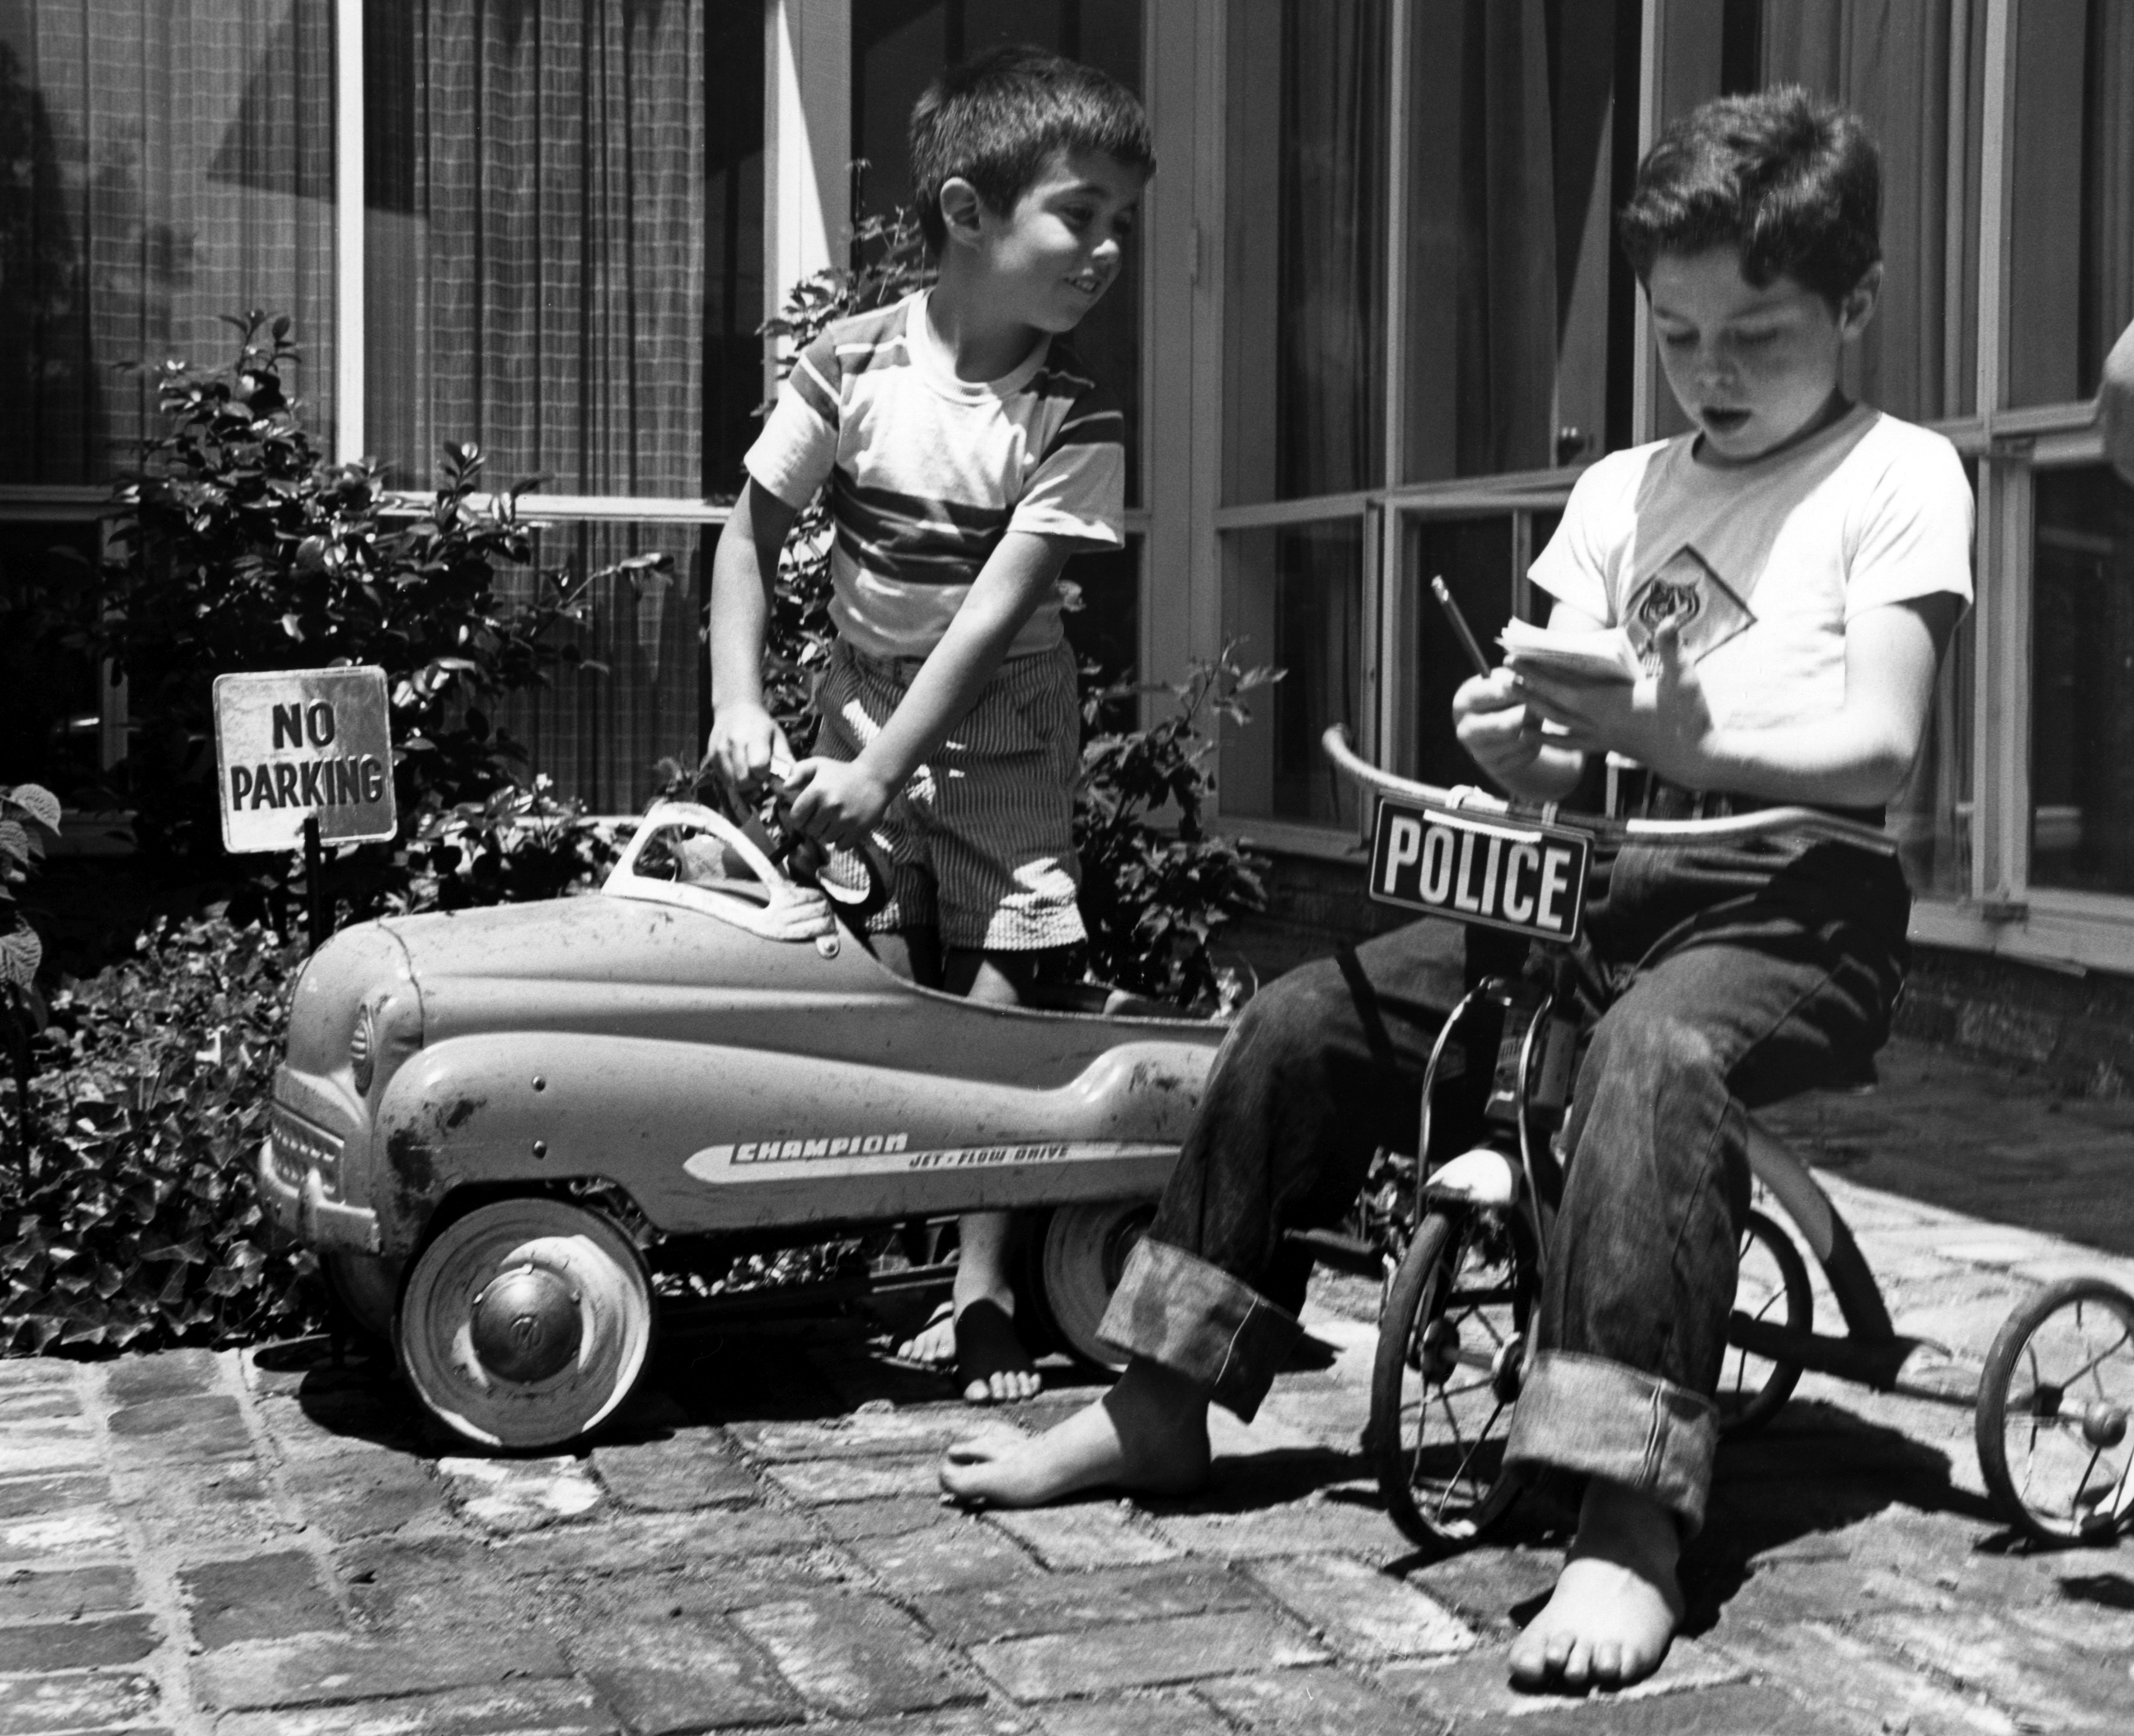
300 1146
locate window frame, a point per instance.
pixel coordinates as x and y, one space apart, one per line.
1999 911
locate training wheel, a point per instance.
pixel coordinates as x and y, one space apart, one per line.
526 1323
1083 1252
2054 1404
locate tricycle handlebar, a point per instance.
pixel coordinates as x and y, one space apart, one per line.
1761 823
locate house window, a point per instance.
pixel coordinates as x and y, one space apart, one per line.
2071 209
558 261
1896 63
53 727
161 165
1422 403
1477 556
1522 134
2081 682
1305 277
1294 595
564 245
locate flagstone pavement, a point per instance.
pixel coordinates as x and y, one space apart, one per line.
270 1544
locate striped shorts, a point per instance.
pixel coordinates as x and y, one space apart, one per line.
982 836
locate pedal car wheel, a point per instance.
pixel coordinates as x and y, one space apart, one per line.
1771 1288
367 1289
2055 1440
526 1323
1452 1352
1082 1254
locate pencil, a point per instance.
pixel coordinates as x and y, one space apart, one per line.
1438 590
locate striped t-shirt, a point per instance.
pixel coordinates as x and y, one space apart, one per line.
927 472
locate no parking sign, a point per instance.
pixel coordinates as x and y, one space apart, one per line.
294 745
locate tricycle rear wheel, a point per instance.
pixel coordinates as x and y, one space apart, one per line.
2054 1404
1771 1287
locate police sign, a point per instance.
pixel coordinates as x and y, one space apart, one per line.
299 745
1498 873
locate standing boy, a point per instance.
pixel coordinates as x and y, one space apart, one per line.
1792 569
968 454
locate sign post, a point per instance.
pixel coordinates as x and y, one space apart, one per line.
304 758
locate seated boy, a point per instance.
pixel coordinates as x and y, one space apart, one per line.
967 454
1792 568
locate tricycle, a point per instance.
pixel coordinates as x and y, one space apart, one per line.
497 1126
2052 1399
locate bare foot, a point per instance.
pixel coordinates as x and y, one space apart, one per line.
998 1369
983 1347
1611 1618
933 1345
991 1361
1147 1435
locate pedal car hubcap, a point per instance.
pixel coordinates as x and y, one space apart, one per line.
525 1324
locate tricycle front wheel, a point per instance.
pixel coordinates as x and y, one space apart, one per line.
1451 1354
2054 1404
526 1323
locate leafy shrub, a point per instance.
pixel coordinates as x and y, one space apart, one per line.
1153 895
128 1214
519 846
25 810
243 547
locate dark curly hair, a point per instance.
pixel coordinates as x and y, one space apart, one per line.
996 119
1792 180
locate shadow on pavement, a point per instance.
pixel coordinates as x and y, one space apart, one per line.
1819 1469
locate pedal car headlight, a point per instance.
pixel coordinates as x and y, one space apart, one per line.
363 1050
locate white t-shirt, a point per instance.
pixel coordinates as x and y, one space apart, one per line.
927 472
1764 563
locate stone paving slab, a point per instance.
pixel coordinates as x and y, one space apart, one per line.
279 1545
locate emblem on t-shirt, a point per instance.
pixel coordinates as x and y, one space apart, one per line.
1686 592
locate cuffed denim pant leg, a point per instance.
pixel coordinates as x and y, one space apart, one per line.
1324 1066
1757 999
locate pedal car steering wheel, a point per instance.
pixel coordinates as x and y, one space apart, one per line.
767 819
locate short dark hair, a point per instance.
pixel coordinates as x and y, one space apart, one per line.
1791 179
996 120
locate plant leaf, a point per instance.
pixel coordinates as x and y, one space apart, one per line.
38 803
21 953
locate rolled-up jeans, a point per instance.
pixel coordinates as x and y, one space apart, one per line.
1720 980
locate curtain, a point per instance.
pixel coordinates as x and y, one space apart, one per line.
551 272
1330 354
1508 279
1511 266
2107 237
1889 61
160 166
537 238
600 733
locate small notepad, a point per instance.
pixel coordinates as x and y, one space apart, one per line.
1603 654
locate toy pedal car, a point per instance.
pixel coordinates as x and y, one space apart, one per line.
474 1105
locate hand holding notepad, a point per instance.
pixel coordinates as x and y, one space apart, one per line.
1603 654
